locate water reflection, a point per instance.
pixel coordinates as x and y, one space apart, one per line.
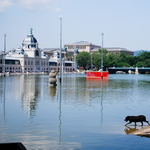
75 114
52 91
60 121
101 102
129 130
95 83
29 93
4 85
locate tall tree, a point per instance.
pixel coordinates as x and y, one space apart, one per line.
83 59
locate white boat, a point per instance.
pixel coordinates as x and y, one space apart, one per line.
119 72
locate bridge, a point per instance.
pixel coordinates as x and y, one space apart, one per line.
140 70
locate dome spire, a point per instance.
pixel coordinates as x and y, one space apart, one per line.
31 31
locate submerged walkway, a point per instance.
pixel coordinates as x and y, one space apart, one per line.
144 131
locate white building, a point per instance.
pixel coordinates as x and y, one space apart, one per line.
29 58
54 62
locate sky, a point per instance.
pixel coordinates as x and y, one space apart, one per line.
124 23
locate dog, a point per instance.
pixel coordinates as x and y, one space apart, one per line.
140 118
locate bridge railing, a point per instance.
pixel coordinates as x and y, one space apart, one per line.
129 68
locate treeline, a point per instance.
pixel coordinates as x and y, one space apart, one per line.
84 59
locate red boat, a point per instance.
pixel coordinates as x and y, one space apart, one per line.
96 74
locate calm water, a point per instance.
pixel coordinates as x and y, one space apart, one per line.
78 114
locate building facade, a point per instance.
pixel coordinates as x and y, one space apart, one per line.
30 58
82 46
91 48
118 50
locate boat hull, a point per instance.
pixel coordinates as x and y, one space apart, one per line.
96 74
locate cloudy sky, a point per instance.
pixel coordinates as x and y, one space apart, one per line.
125 23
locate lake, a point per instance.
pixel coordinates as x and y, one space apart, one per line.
77 114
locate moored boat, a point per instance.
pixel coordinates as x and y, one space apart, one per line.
97 74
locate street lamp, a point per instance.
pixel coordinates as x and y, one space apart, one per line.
4 51
60 72
102 58
91 57
75 52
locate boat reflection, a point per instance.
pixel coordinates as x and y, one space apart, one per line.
95 83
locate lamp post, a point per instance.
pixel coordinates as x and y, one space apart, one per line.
60 71
75 52
4 51
91 57
75 60
91 61
102 58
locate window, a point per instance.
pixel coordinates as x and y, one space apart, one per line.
36 62
29 62
52 63
0 61
25 63
36 53
13 62
68 64
33 45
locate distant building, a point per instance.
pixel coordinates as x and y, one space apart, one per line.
117 50
86 47
82 46
91 48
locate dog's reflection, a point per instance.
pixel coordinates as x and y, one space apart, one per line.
129 130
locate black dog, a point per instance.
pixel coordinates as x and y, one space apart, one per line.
135 119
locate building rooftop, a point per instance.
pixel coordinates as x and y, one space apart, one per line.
83 43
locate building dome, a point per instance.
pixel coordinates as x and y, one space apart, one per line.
30 39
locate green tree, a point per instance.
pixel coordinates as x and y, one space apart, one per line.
130 60
97 57
83 59
147 63
143 59
113 59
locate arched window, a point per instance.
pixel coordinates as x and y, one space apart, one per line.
36 53
29 62
25 63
